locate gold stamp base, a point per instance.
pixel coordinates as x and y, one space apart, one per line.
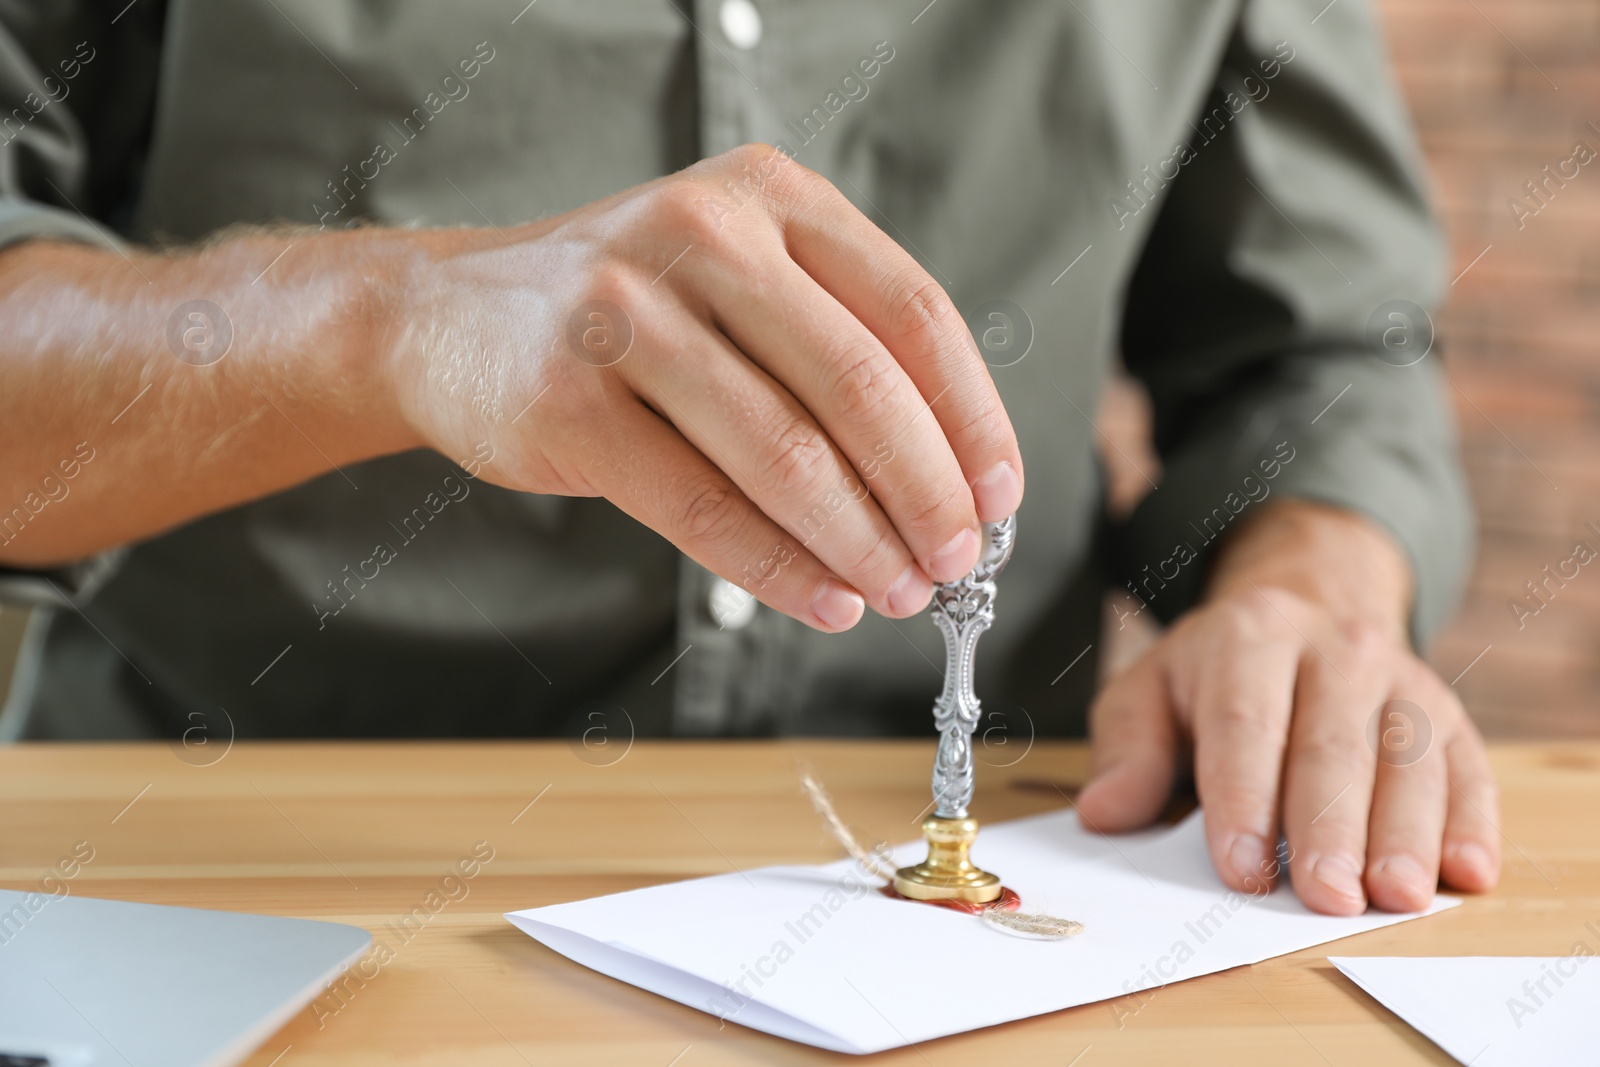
948 873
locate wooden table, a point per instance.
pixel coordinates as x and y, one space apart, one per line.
361 833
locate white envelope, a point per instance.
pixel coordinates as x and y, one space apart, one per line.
1493 1011
818 955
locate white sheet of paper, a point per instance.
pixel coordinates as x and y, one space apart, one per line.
818 955
1491 1011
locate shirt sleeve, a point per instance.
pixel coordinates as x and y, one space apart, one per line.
77 92
1280 315
76 96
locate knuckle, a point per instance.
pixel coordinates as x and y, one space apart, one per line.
874 555
935 508
1292 603
776 174
756 171
621 285
925 315
711 515
1238 719
795 459
765 163
1443 716
1369 644
1329 747
1252 618
1280 604
748 155
690 211
1239 800
982 422
1413 676
802 187
863 384
615 282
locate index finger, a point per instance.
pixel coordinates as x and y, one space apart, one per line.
910 313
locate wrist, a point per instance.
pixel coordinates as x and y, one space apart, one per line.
372 289
428 340
1330 556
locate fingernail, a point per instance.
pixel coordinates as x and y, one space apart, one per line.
837 605
956 558
998 492
1475 858
1407 873
1339 874
910 592
1248 857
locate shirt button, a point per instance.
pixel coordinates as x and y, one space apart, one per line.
741 23
730 606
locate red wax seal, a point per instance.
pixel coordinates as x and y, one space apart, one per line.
1007 901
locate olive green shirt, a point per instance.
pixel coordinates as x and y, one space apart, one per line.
1224 193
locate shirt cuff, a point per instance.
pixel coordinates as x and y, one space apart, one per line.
1384 448
63 586
26 221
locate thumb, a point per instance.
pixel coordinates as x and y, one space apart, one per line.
1134 733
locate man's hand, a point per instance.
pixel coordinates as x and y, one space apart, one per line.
1295 691
749 355
734 355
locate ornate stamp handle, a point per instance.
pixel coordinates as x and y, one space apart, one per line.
963 610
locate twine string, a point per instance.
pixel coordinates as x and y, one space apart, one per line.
1032 923
880 861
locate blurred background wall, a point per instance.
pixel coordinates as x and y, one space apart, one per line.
1500 89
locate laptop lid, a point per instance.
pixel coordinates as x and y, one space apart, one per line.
86 982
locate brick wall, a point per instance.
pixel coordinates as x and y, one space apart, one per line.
1499 90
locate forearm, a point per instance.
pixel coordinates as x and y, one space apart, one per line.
716 401
1331 556
112 425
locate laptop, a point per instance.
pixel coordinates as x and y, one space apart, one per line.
86 982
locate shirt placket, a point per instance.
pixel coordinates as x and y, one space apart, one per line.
737 672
